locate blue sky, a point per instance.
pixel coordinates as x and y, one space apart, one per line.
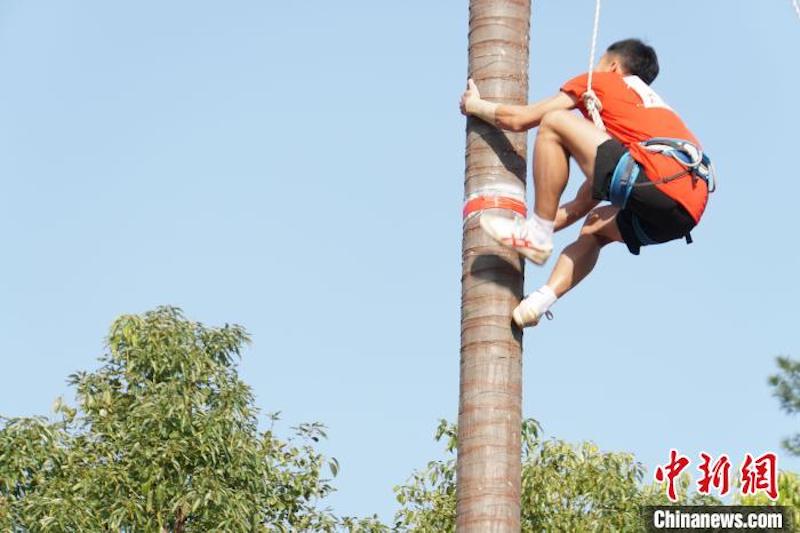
297 168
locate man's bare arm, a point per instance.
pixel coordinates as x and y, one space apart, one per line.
512 117
572 211
525 117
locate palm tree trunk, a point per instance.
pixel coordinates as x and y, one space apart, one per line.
490 403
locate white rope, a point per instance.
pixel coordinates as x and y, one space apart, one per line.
590 100
796 5
594 40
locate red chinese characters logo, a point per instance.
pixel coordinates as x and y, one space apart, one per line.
671 471
717 475
760 474
757 474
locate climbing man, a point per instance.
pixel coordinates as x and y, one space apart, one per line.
646 163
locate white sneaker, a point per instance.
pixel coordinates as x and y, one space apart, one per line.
531 310
524 236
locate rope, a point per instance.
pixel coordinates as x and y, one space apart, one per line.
590 100
594 41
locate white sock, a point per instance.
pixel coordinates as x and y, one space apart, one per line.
540 231
548 296
547 226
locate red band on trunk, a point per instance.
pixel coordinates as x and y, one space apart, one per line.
494 202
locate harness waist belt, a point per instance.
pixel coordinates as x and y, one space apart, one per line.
626 172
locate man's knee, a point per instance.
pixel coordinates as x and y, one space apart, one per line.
553 120
589 232
601 224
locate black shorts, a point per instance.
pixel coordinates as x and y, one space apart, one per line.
656 215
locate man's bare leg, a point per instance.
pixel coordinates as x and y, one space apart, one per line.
561 134
573 265
579 258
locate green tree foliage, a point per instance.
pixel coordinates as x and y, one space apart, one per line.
564 488
786 387
165 437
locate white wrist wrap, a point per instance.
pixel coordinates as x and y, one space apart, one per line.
483 110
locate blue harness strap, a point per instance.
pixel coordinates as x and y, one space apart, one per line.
622 180
697 164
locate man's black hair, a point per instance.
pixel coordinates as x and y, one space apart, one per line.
636 58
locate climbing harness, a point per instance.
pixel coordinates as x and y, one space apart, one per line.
695 162
621 185
626 173
624 178
590 99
